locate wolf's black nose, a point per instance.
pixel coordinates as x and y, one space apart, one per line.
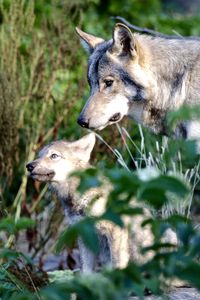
83 122
30 166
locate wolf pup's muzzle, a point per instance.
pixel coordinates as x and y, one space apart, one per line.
30 166
39 173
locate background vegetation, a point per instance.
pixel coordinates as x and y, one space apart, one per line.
42 90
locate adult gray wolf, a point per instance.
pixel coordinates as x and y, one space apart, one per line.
142 77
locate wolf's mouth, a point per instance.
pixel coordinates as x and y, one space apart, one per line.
42 176
115 118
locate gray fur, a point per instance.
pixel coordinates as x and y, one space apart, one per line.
152 75
93 64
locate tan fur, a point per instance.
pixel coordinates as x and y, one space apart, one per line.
123 243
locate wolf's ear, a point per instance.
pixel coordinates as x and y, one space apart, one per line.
89 41
123 41
84 146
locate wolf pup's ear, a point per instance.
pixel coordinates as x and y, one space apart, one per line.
88 41
84 146
123 41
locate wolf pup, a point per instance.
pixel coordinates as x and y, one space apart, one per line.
53 165
142 77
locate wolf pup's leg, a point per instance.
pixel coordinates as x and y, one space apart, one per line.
119 247
87 258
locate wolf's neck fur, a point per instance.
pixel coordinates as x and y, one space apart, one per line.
66 192
172 67
170 62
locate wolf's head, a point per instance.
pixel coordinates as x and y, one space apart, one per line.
117 77
57 160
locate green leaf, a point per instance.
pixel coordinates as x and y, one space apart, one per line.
56 292
88 179
124 181
132 211
8 224
24 223
154 197
184 113
113 217
84 229
9 254
23 296
155 190
159 246
189 272
68 237
88 233
170 184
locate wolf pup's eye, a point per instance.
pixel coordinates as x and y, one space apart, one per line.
54 156
108 82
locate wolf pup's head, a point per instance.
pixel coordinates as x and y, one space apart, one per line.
117 78
57 160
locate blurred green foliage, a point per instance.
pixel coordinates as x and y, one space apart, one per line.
43 87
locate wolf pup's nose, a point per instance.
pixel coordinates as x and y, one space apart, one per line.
30 166
83 123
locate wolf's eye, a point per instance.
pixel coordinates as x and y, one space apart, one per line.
54 156
108 83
